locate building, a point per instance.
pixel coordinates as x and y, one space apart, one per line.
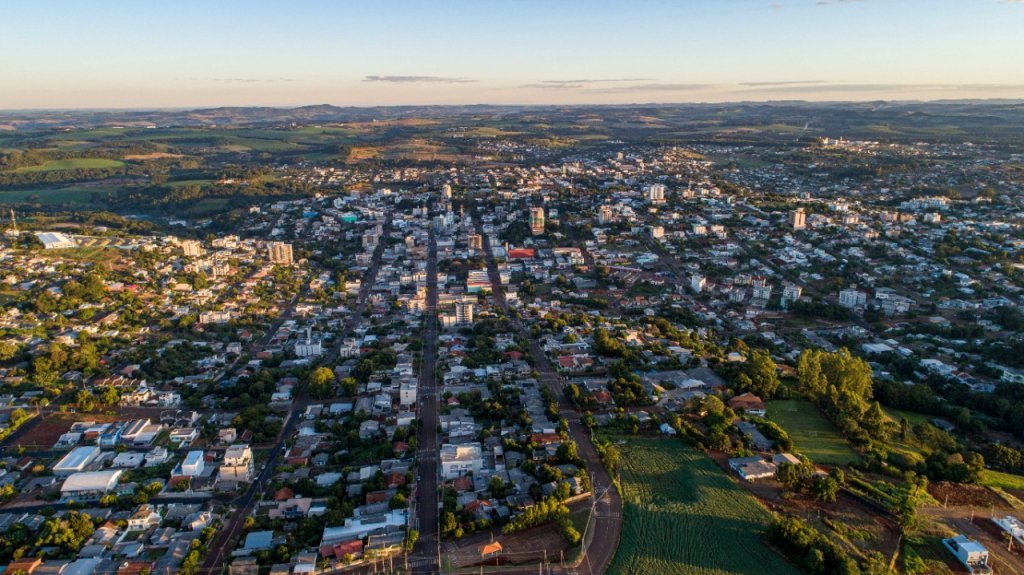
798 219
969 552
90 484
458 460
309 346
476 242
604 215
697 283
279 253
749 403
56 240
657 232
463 313
656 193
192 466
536 221
791 294
1012 527
238 464
751 468
851 298
76 460
192 248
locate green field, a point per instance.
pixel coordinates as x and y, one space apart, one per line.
990 478
74 194
812 434
683 515
73 164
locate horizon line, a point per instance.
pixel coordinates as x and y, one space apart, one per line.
505 105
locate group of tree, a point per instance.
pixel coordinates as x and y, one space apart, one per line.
840 384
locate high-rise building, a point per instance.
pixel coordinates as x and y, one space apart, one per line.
697 283
798 219
280 252
463 313
476 242
656 193
192 248
851 297
537 221
604 215
446 191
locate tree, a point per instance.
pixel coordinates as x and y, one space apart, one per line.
398 502
349 386
8 349
825 489
321 382
762 374
85 400
449 523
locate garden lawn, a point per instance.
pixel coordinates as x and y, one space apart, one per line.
812 434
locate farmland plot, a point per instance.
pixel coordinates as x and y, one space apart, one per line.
683 515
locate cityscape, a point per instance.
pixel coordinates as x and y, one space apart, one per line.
674 334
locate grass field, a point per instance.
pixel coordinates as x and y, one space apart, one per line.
53 195
812 434
912 416
990 478
73 164
683 515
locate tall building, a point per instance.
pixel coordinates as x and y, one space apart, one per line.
192 248
446 191
697 283
656 193
604 215
463 313
476 242
798 219
851 297
537 221
280 253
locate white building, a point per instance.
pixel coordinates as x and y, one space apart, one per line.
656 193
90 485
852 298
458 460
791 293
463 313
697 283
238 464
76 460
192 466
56 240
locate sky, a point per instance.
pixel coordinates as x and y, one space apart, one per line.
190 53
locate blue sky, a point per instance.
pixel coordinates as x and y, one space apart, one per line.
105 53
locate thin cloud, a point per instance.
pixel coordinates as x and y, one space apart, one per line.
782 83
418 79
239 80
832 2
581 83
839 87
659 87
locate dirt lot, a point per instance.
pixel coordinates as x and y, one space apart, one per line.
48 430
959 495
518 548
976 523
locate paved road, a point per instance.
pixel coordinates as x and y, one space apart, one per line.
425 554
607 520
227 538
